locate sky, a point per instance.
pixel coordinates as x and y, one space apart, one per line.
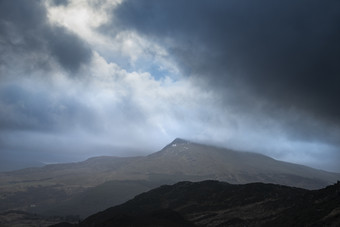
83 78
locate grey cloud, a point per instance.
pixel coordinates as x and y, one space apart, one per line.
60 2
284 53
69 50
41 119
25 30
38 110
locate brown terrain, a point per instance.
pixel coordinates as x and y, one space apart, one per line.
84 188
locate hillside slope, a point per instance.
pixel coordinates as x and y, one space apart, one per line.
60 188
213 203
203 162
181 160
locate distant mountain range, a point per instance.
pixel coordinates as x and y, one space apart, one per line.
12 163
95 184
213 203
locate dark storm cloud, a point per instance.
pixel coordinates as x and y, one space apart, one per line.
285 52
69 50
25 30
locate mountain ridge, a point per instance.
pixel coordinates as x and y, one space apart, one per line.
58 188
214 203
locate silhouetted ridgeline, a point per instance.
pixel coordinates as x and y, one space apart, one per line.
213 203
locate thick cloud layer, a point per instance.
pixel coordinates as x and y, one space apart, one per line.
285 53
25 31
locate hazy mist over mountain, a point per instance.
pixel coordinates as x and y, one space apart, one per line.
80 79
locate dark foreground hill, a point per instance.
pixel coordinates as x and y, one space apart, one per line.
87 187
213 203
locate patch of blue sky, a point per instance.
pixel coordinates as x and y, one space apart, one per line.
157 68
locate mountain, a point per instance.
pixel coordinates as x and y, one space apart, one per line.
202 162
83 188
213 203
12 163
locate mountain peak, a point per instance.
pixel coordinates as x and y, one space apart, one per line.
177 145
179 141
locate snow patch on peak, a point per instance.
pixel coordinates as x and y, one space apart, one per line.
179 141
